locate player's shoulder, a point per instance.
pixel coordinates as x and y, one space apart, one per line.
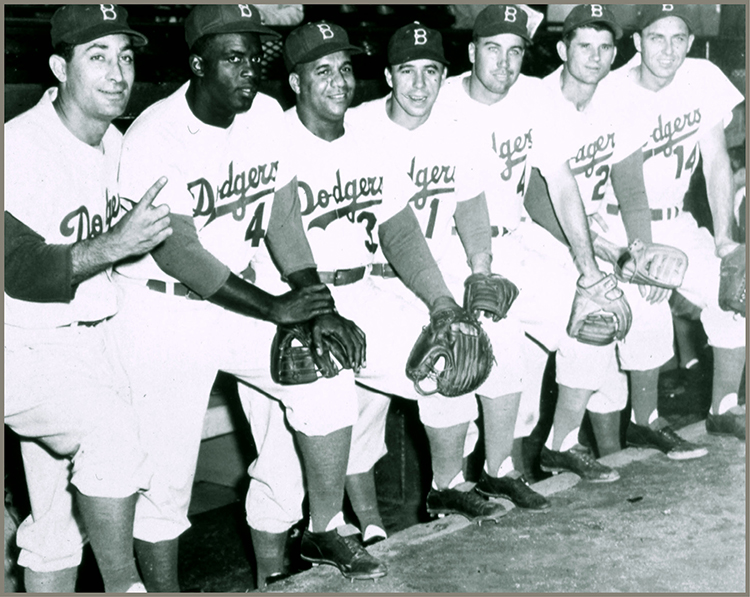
700 69
367 113
32 122
161 115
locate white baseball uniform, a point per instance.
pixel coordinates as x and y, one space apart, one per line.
698 99
66 394
173 346
520 134
431 169
342 201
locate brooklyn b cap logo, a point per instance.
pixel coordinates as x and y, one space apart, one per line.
415 42
81 23
315 40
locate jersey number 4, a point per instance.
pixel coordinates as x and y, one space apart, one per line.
255 230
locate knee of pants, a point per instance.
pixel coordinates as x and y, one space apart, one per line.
368 434
156 522
583 366
441 412
110 463
273 511
322 407
650 341
506 376
612 396
51 538
724 329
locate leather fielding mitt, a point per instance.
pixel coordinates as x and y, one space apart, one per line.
491 293
459 340
600 314
652 264
732 285
294 359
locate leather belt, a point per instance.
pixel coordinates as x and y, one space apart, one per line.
175 288
342 277
656 214
495 231
384 270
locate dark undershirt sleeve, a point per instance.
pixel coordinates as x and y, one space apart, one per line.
539 206
183 257
473 225
630 190
406 249
286 238
34 270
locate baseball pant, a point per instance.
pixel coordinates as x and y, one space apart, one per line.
173 348
67 396
724 329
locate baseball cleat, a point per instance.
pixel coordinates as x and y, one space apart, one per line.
468 504
345 553
665 440
727 423
512 487
579 462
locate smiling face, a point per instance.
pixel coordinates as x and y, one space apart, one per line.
228 70
589 54
415 85
664 46
325 87
98 77
496 64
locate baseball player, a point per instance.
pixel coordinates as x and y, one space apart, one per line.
66 394
608 167
344 201
186 310
510 113
445 187
692 102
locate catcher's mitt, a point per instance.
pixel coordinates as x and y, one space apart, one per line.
457 338
294 359
601 313
652 264
732 286
491 293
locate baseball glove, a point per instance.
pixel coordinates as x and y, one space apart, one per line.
601 313
294 359
732 286
652 264
491 293
456 337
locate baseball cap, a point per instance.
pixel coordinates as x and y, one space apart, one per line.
81 23
586 14
414 42
651 13
502 18
315 40
206 19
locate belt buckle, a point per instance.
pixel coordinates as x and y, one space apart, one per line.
338 277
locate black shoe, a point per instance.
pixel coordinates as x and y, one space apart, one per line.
515 489
664 439
346 553
466 503
726 424
581 463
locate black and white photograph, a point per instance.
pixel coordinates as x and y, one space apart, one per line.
375 298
